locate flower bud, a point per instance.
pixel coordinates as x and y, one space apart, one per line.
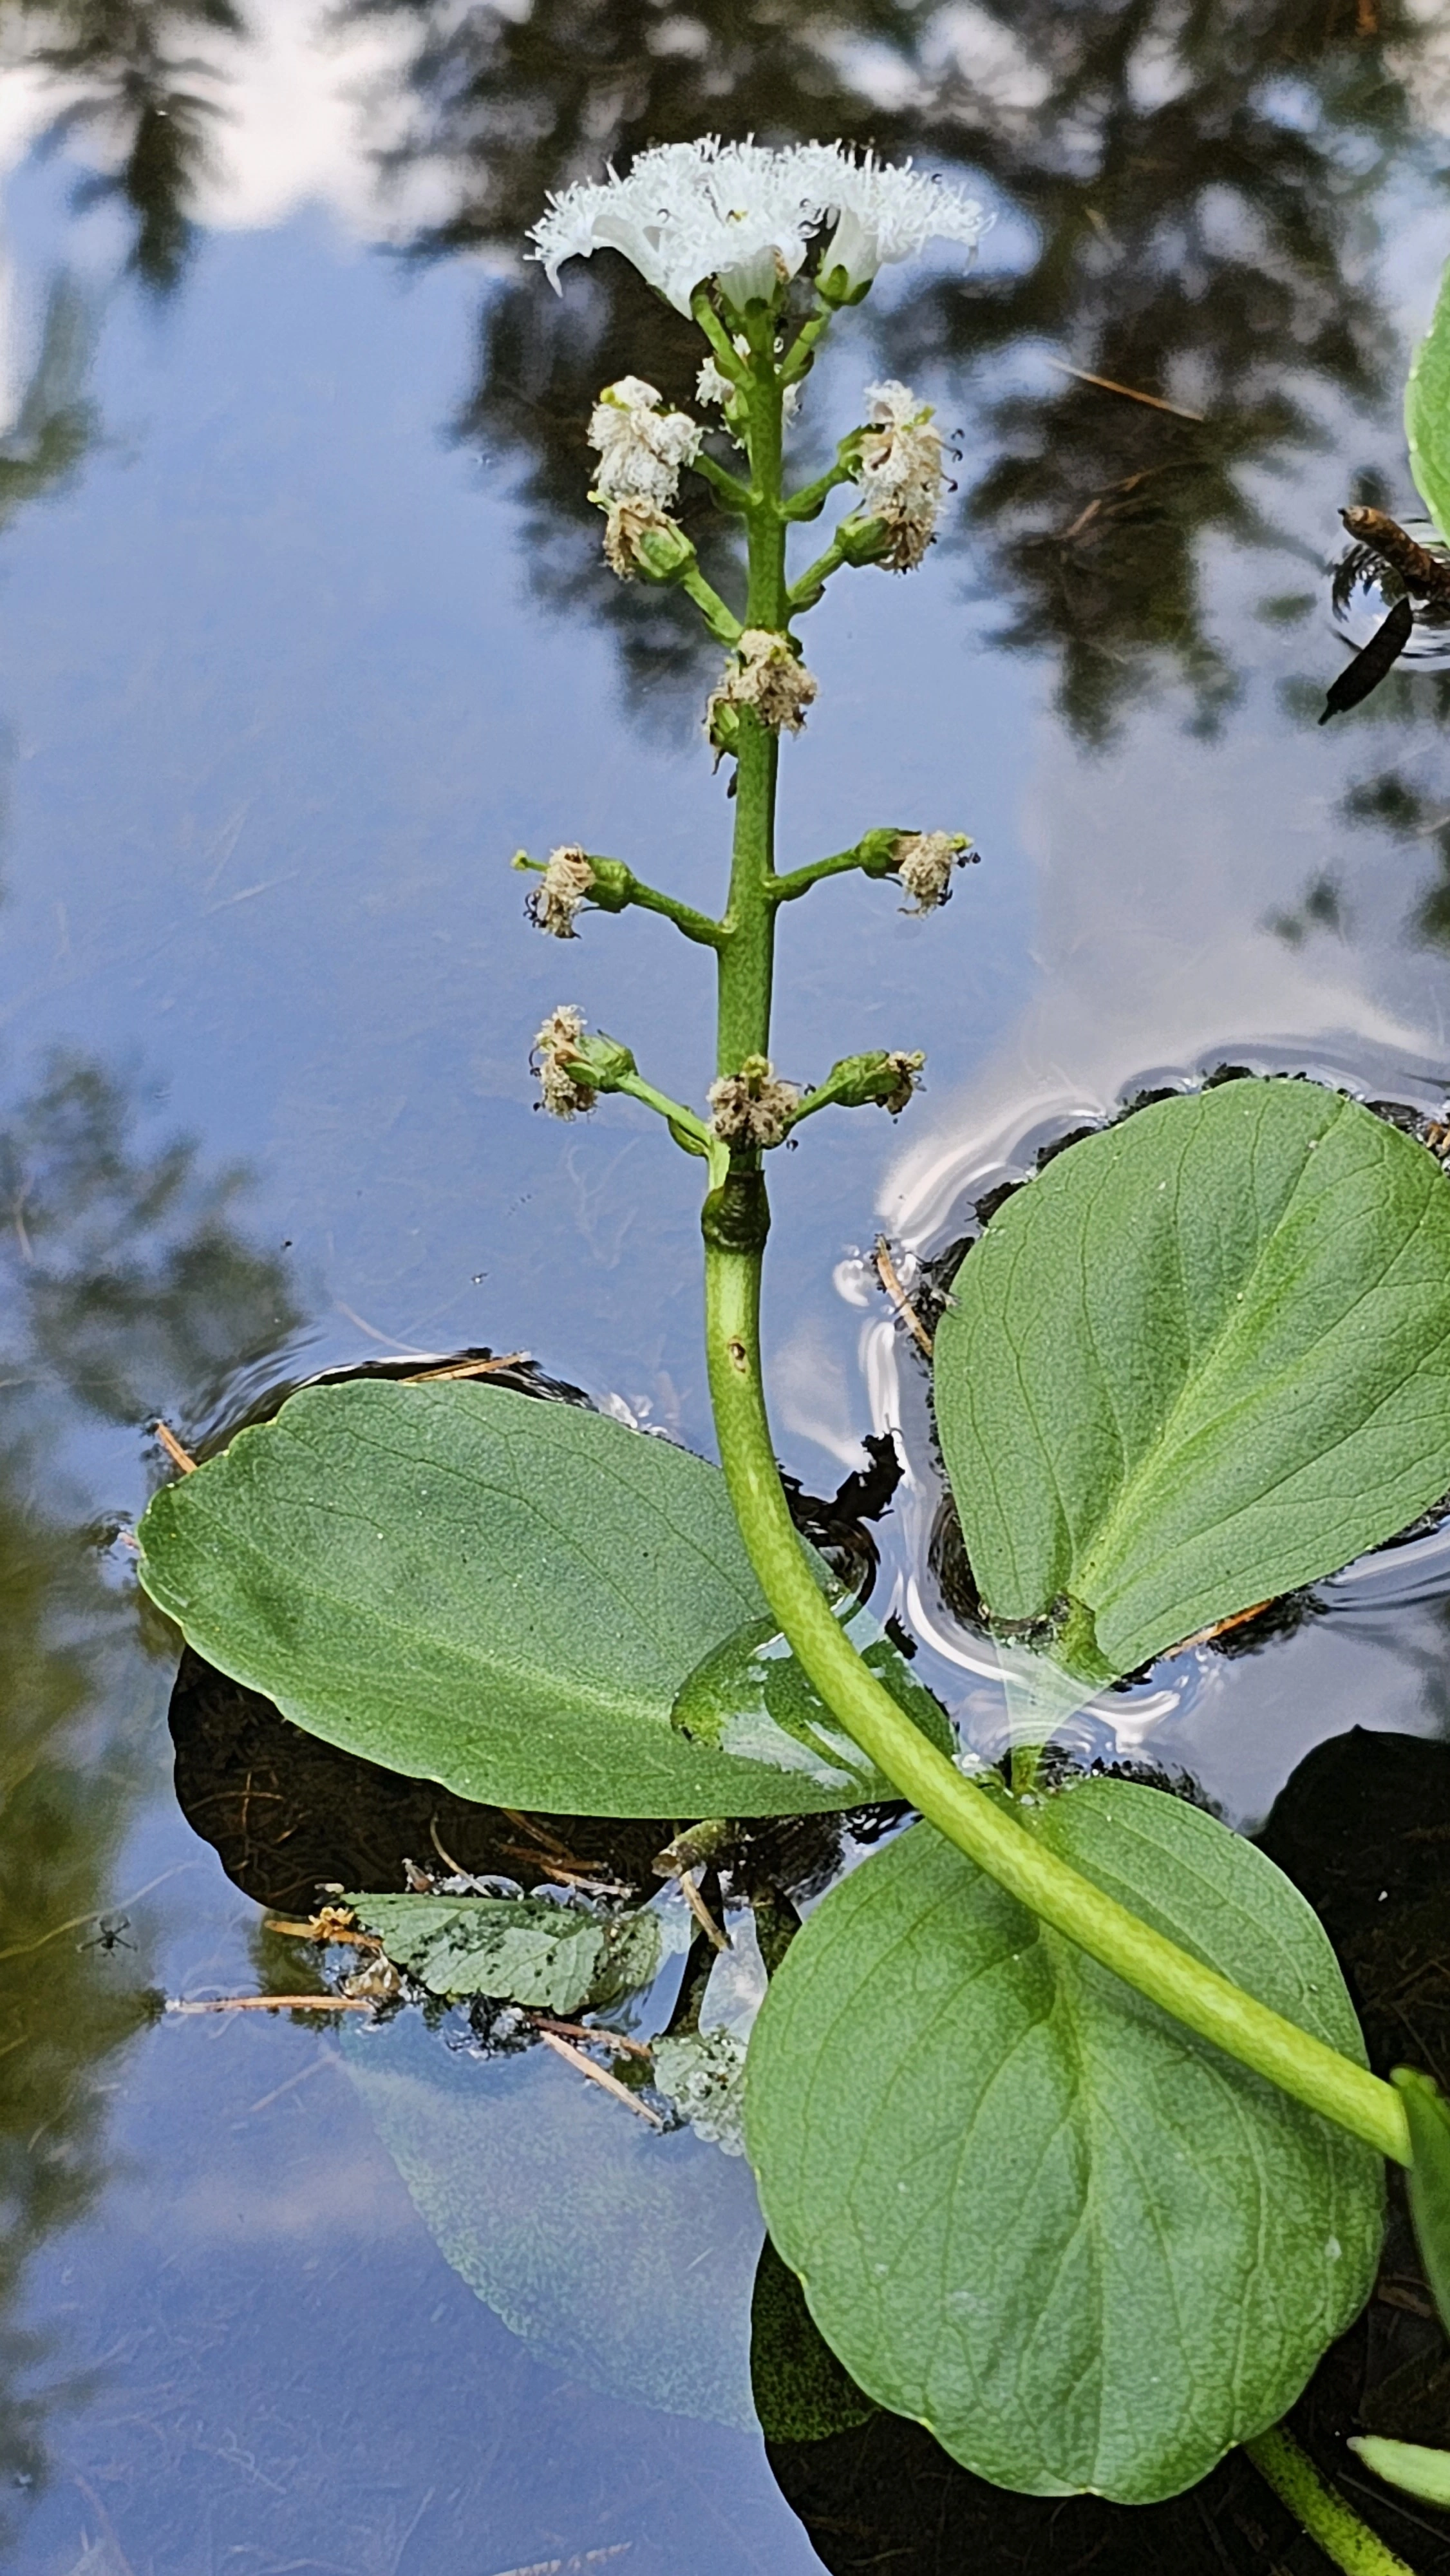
640 539
888 1079
863 541
611 884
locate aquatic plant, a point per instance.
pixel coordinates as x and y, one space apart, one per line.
1057 2104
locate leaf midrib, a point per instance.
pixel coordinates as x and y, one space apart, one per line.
1105 1537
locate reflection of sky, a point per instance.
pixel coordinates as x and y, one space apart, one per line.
279 707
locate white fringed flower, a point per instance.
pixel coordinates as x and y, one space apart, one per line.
886 212
924 864
556 1045
688 211
712 387
764 673
752 1107
561 890
641 446
745 215
900 472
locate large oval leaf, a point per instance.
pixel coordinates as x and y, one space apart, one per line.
1427 414
479 1588
1203 1358
1029 2209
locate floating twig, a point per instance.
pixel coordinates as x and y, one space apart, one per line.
179 1457
887 1273
469 1368
269 2003
581 2030
1108 385
1221 1627
599 2075
1426 574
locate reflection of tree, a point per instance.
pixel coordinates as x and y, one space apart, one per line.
55 423
1195 181
128 70
126 1283
1407 813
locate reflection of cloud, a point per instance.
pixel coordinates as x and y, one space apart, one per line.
354 2198
305 106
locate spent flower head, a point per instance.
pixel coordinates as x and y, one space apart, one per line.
752 1107
924 864
900 473
764 672
555 1059
746 216
566 880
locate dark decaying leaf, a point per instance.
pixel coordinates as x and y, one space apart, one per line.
1373 664
521 1950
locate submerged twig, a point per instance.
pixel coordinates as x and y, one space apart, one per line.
468 1368
179 1457
718 1940
575 2057
1109 385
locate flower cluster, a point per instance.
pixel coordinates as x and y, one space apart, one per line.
900 473
924 864
752 1107
746 216
568 877
765 673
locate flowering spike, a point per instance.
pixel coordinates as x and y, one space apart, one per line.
764 672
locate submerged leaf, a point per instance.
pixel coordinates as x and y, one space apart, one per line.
750 1697
1029 2209
702 2073
520 1950
624 2259
1421 2472
1427 414
1202 1359
472 1586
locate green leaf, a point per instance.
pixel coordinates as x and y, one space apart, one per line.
750 1697
1427 414
475 1587
1420 2472
1428 2115
522 1950
1203 1358
801 2392
622 2258
1028 2208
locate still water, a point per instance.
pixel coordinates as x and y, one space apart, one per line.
303 631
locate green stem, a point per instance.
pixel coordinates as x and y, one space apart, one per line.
695 925
811 499
722 621
788 889
976 1823
735 1221
1321 2511
805 592
634 1086
731 493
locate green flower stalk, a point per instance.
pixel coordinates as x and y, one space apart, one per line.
725 232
